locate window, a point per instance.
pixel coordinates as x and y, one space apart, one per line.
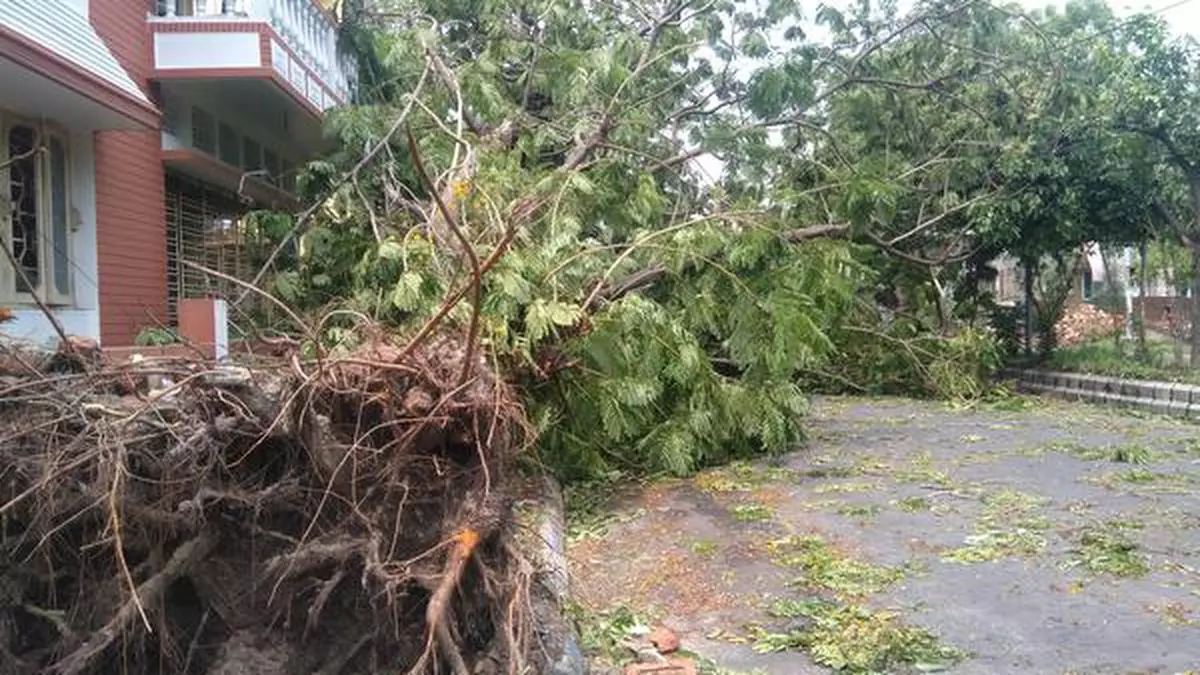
251 155
287 173
34 212
272 165
230 145
204 132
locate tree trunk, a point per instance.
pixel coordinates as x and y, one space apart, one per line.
1110 279
1029 326
1143 288
1194 245
1193 240
942 301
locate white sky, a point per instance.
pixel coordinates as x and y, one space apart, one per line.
1182 15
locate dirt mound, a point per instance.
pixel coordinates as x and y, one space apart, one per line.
340 515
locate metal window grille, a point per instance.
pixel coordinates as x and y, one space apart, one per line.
206 226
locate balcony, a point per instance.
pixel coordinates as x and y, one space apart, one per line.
293 42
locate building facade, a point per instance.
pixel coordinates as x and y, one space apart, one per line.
137 135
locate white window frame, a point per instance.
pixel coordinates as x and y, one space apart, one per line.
46 288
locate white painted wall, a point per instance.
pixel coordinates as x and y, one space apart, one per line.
294 72
242 115
83 318
58 26
221 322
206 50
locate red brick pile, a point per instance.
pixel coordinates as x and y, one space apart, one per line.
1084 322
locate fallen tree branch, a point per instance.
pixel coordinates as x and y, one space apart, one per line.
67 345
611 292
468 249
829 230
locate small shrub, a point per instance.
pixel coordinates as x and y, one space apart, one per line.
155 337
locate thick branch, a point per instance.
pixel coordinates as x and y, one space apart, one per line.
1158 134
150 593
468 249
828 230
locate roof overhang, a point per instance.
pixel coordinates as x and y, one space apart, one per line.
202 49
211 170
38 82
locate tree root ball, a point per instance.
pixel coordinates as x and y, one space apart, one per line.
346 515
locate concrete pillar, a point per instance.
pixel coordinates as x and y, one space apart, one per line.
204 323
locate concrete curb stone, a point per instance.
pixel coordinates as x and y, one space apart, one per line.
1165 398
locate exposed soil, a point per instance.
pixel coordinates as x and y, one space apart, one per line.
1059 539
351 515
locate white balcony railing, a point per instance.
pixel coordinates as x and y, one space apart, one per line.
306 28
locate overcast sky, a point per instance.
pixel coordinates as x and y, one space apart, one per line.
1182 15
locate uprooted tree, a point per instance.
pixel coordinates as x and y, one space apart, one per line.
515 247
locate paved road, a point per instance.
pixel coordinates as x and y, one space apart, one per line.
1057 539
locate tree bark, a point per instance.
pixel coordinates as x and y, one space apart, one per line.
1193 240
1194 360
1143 287
1029 328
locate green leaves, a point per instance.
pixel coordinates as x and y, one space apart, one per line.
886 128
406 295
542 316
288 285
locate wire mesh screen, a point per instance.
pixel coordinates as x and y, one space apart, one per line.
205 226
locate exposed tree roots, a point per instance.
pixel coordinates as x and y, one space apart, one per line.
350 515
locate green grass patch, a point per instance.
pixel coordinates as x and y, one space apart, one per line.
996 544
1128 453
853 639
925 476
705 548
1003 398
1131 453
913 504
1104 357
1010 525
751 513
601 633
1192 446
1107 548
1144 480
589 513
830 472
859 510
1139 476
921 471
844 488
709 667
741 477
825 568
